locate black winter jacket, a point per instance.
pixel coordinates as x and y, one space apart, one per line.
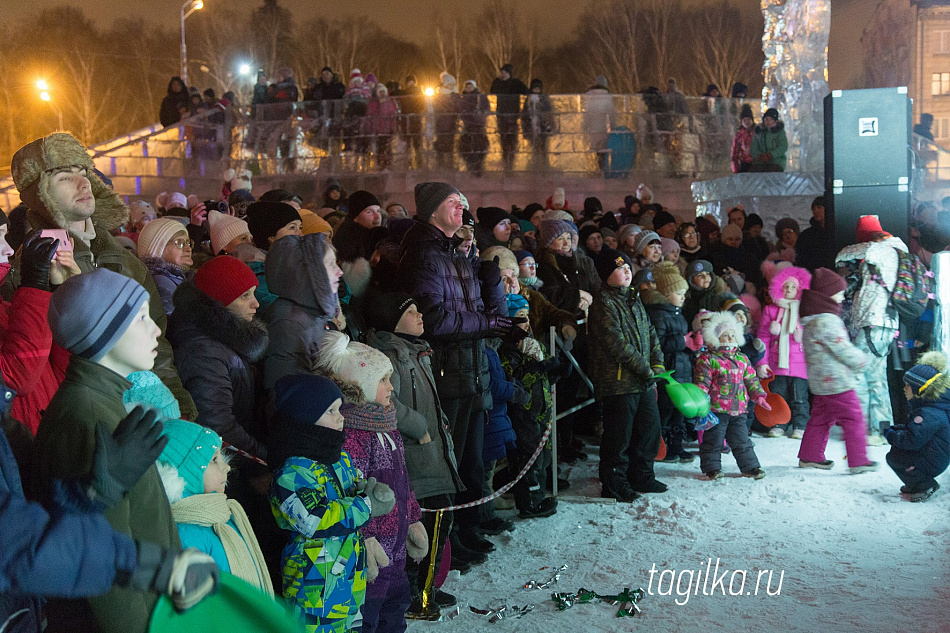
562 277
625 352
671 330
216 355
445 284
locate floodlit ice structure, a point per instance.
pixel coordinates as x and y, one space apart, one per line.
795 43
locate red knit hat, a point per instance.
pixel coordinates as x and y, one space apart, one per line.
868 225
225 278
827 282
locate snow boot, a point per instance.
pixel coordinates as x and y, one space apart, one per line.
615 486
867 468
823 465
923 495
546 508
755 473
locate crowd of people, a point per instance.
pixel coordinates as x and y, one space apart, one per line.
320 398
368 116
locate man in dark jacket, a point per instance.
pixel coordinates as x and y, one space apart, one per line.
327 89
509 91
449 288
55 178
815 247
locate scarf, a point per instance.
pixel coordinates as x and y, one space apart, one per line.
370 416
294 439
789 325
244 555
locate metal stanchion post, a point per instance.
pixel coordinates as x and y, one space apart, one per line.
553 349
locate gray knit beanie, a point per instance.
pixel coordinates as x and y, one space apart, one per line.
89 313
429 195
551 229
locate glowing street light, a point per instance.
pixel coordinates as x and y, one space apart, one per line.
429 92
245 69
43 87
187 9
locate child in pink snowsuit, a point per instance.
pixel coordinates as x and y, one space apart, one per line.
781 331
833 364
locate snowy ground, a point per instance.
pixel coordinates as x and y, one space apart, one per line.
856 556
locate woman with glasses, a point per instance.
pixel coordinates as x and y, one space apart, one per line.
690 247
165 248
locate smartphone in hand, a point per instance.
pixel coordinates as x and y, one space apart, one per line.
61 235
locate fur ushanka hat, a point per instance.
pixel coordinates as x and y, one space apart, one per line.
31 171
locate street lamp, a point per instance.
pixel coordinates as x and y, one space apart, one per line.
187 9
43 87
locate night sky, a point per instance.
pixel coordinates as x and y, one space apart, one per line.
848 19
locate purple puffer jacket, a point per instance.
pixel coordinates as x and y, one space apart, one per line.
773 314
381 455
445 284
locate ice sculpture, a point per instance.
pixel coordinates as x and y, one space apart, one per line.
795 43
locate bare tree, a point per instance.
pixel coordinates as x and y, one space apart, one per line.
659 17
613 30
726 48
497 26
450 47
886 43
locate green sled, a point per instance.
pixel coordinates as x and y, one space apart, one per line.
235 606
687 398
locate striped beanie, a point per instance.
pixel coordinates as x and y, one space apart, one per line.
89 313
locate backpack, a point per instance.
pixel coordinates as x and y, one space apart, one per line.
913 289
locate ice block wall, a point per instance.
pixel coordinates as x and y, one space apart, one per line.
795 43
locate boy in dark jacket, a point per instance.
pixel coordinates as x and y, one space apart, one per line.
625 357
663 307
430 453
102 318
921 447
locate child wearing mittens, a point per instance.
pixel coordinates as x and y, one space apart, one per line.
832 365
723 372
374 443
194 475
322 500
920 448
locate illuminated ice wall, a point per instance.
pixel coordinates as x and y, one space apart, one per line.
795 43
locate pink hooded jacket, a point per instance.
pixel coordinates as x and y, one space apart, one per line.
771 323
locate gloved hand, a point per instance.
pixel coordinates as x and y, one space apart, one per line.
762 403
186 576
798 334
375 558
694 341
502 326
122 458
381 497
417 543
520 396
489 273
38 253
886 434
763 371
775 328
568 333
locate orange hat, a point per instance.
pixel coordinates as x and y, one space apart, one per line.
313 223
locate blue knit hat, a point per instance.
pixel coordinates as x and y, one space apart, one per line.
928 378
305 397
89 313
516 302
149 390
190 449
522 255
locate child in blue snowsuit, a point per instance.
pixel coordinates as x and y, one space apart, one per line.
921 447
322 500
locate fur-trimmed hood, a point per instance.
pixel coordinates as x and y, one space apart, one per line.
802 276
352 394
29 169
653 297
194 309
717 324
357 275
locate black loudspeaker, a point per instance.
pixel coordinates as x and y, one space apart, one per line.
846 206
867 160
